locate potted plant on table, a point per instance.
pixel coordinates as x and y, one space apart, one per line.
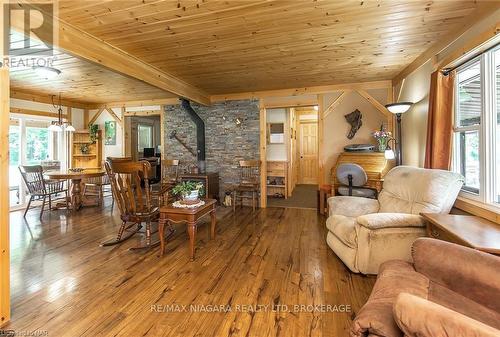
382 136
189 192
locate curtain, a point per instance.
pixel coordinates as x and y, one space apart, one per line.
438 149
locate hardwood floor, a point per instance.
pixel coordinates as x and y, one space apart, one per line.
64 284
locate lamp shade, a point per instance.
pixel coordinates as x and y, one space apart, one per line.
389 154
55 127
399 108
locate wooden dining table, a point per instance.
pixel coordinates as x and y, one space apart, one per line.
76 201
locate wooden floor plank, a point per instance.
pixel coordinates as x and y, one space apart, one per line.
272 259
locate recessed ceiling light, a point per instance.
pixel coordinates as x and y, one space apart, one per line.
47 72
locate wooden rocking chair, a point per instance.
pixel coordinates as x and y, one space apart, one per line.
132 193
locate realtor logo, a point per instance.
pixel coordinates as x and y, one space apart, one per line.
28 29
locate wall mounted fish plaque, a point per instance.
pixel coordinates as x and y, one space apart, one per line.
354 119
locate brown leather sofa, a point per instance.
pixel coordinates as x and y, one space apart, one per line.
448 291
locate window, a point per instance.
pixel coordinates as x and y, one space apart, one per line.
31 143
476 152
144 137
496 122
37 145
468 122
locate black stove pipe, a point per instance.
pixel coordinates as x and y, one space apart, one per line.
200 133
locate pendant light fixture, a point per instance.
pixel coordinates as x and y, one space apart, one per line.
59 125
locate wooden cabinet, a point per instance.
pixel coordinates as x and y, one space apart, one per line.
466 230
277 178
374 164
210 182
86 159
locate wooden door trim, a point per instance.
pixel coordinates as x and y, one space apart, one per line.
263 153
4 198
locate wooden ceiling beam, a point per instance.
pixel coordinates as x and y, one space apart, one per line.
485 9
86 46
302 91
38 113
128 104
142 113
46 99
284 102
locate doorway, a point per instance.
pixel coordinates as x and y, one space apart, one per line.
300 151
142 136
308 152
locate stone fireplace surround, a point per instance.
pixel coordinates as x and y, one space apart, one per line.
226 141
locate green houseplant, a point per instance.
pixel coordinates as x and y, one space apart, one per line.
93 128
189 191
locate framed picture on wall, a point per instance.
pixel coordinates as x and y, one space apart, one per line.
110 133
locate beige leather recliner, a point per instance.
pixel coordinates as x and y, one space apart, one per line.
364 233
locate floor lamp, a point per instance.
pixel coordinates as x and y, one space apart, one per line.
399 109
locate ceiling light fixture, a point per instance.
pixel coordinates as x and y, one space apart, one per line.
47 72
59 125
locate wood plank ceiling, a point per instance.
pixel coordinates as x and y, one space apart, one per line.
234 46
83 82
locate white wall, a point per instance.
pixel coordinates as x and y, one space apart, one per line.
110 150
277 151
336 127
414 121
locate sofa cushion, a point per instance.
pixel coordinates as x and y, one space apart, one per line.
459 303
344 228
375 317
467 271
352 206
418 317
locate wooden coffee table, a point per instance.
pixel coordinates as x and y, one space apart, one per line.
191 216
466 230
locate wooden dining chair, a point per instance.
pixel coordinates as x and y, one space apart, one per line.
40 188
94 187
169 178
132 193
249 186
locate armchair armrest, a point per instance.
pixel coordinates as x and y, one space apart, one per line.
390 220
469 272
418 317
352 206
